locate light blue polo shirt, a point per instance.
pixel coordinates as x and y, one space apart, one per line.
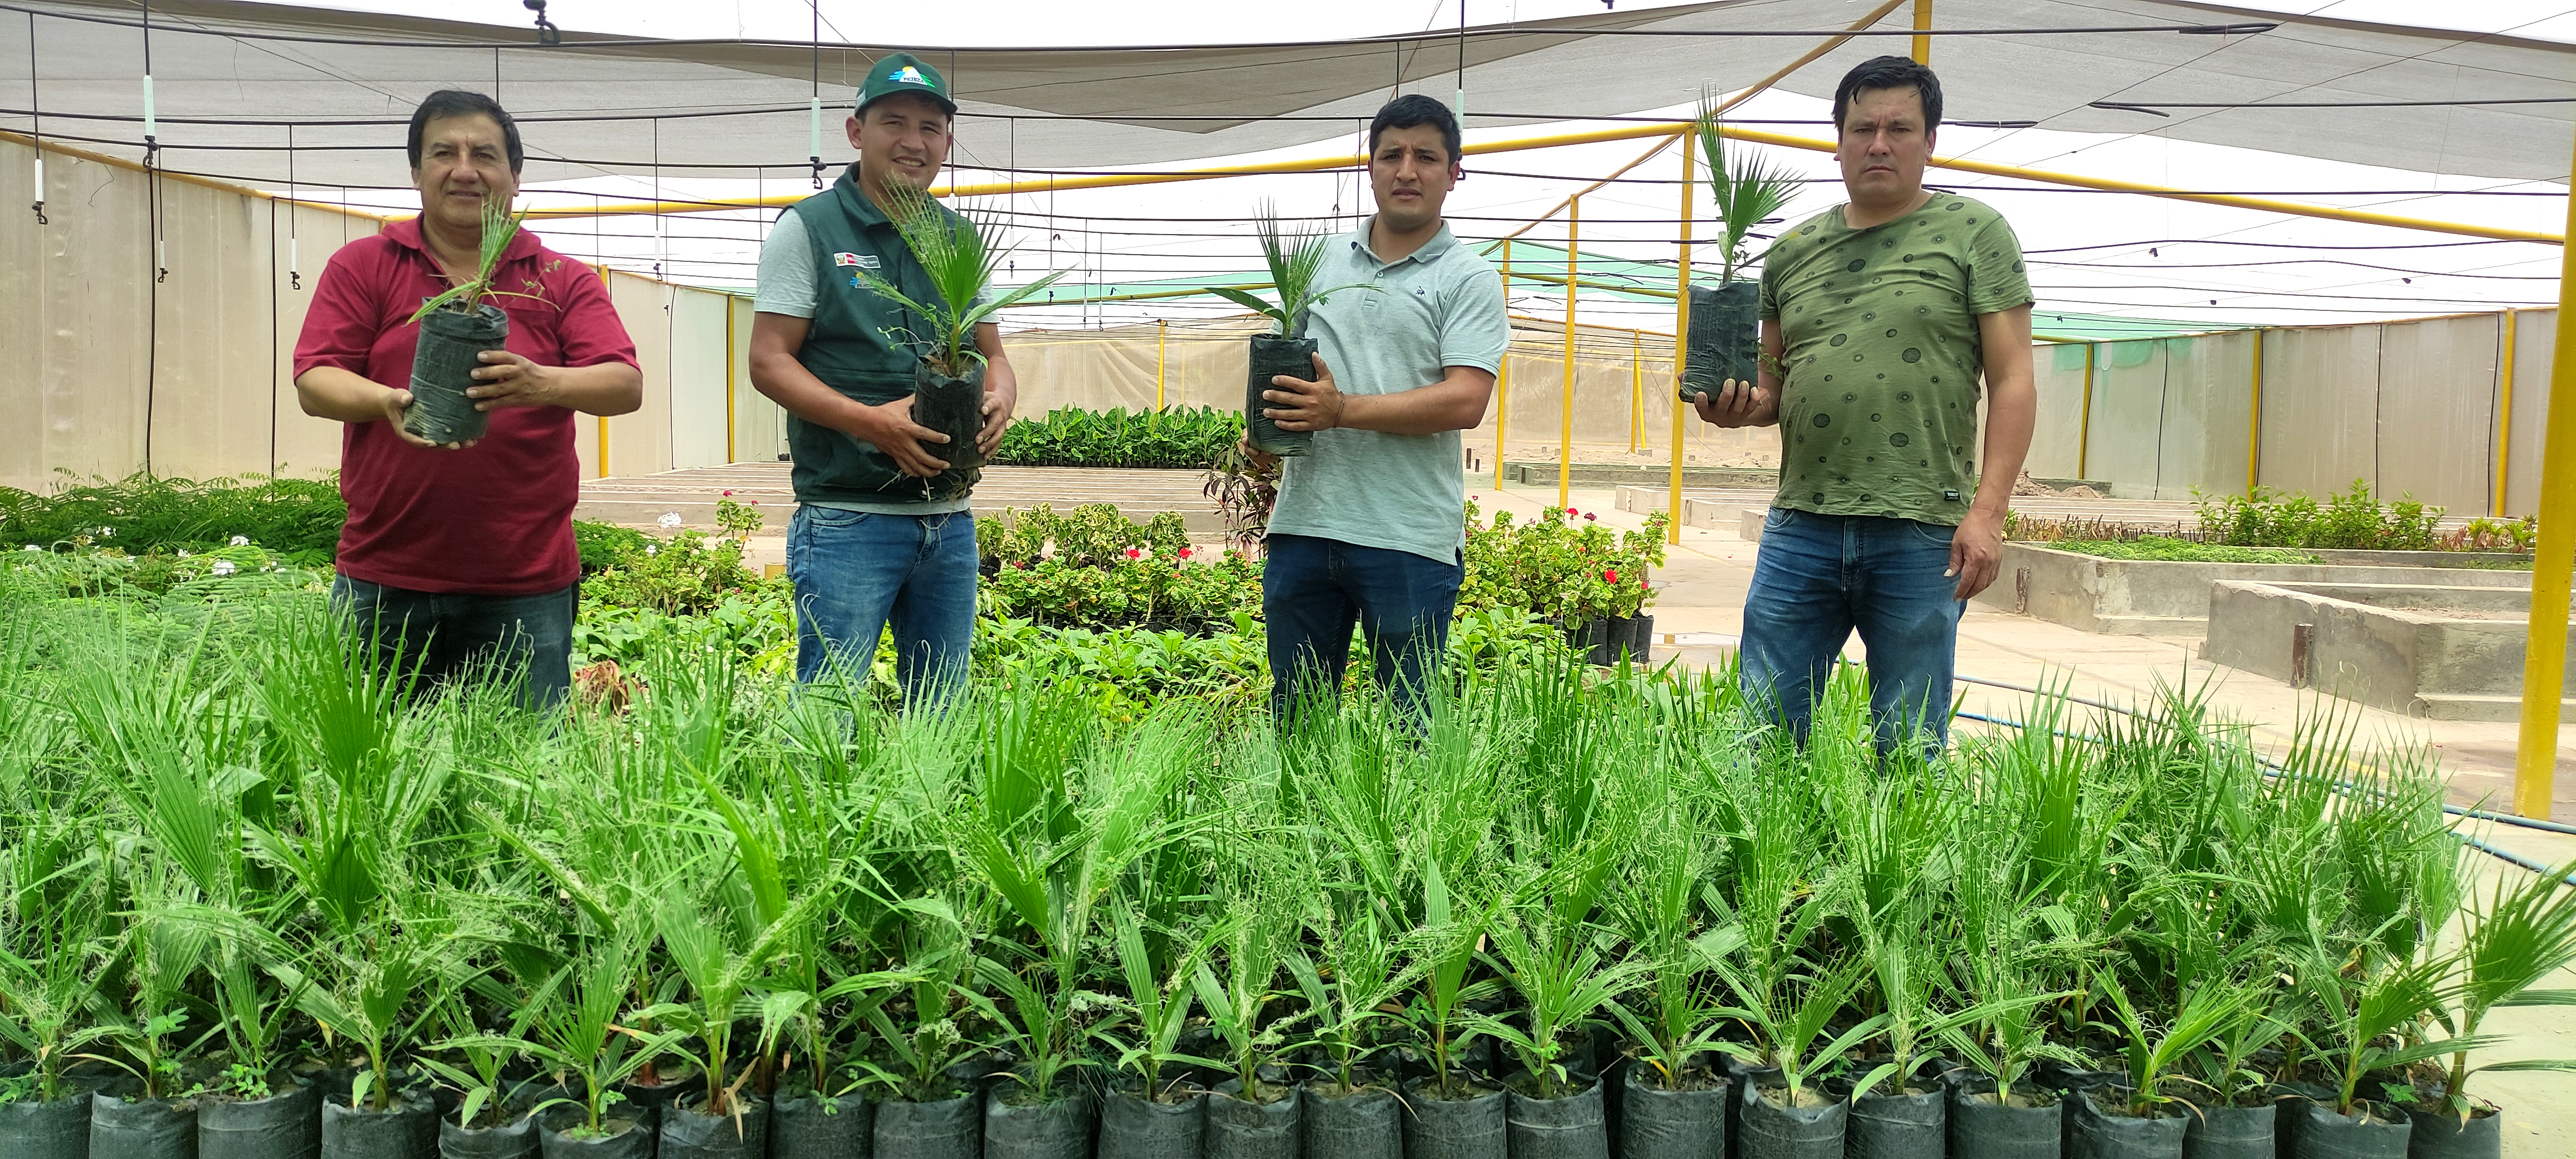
1437 307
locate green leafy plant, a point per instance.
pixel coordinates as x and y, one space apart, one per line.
2524 931
1295 259
500 228
1749 190
1173 438
955 251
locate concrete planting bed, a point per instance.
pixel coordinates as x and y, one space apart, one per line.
2158 598
2434 650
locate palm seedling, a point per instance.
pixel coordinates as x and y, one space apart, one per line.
1358 969
721 954
1257 926
479 1083
1790 1011
958 260
1676 1017
2520 934
578 1033
163 955
1749 190
1998 956
50 962
2209 1009
1296 262
937 955
1566 984
1158 997
456 327
2360 1015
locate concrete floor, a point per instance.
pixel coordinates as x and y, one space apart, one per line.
1700 613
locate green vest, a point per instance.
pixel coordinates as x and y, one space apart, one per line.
856 344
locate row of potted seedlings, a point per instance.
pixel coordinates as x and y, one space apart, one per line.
1573 913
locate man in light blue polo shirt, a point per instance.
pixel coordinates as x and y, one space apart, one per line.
1369 526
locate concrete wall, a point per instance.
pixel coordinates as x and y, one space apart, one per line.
2446 653
2164 598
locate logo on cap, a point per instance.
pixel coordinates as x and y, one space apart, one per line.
908 75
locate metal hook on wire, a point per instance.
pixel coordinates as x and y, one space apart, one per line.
547 34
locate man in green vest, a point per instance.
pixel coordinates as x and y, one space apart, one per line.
870 545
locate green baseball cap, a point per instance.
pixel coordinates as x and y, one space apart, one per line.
905 73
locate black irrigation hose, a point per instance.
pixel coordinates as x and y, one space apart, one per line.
2272 770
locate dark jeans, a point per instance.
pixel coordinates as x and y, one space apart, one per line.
1313 591
856 573
1817 579
526 640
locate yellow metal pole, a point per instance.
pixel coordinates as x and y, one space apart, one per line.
1565 428
2504 416
1636 391
2254 426
2084 431
1681 335
1503 376
2544 655
1162 356
1922 24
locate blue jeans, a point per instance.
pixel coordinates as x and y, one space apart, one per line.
435 637
1816 579
1312 592
855 571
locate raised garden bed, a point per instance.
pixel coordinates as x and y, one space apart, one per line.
2433 651
2168 598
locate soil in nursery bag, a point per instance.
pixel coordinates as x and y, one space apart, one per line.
1272 356
1168 1127
805 1125
517 1139
1266 1127
407 1130
953 407
693 1134
2441 1135
1725 337
1565 1128
2228 1133
55 1130
1338 1124
1769 1126
644 1101
122 1128
2097 1127
2027 1125
948 1129
286 1125
1897 1126
1016 1127
1470 1124
2324 1134
618 1139
442 368
1688 1123
1741 1075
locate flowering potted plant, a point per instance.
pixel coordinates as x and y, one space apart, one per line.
948 381
456 327
1725 340
1294 259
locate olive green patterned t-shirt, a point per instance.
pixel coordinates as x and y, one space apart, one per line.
1878 412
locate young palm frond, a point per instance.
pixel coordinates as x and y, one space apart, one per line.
955 251
2522 933
1749 189
500 228
1295 259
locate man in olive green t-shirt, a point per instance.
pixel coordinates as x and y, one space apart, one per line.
1878 318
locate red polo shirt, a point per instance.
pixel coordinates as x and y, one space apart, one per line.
495 518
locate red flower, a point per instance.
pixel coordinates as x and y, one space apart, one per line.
1610 574
1185 553
728 494
1132 553
1569 511
1589 517
755 502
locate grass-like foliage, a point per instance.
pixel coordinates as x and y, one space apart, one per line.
957 253
230 846
1296 261
1749 188
500 228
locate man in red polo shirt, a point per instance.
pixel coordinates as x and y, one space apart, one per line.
463 554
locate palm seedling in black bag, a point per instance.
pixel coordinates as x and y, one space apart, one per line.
956 254
1295 259
456 327
1724 341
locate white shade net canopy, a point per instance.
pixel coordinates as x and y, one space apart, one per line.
232 79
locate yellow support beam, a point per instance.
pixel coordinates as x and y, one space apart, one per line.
1681 335
1503 376
2544 655
1636 391
1565 427
1922 25
2254 426
2504 416
1621 133
729 455
1162 357
2084 431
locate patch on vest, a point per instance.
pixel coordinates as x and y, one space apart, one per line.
863 261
